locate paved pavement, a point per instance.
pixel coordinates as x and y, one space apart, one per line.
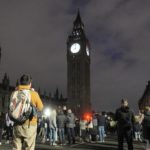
110 144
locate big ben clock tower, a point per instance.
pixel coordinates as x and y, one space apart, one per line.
78 69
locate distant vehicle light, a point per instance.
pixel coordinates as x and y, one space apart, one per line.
88 117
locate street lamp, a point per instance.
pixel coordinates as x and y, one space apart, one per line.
47 112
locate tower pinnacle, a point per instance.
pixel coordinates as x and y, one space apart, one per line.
78 22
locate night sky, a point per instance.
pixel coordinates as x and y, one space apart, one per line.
33 35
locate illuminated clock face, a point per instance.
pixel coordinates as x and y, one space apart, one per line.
87 50
75 48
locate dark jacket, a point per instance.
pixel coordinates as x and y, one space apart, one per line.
101 120
125 118
70 120
61 120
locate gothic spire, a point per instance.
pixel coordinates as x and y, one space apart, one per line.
57 94
78 22
5 82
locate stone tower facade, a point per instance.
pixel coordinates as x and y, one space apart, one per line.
78 69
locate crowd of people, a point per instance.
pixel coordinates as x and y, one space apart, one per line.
95 127
63 127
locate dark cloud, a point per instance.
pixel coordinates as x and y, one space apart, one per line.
33 38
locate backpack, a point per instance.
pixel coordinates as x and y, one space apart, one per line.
20 108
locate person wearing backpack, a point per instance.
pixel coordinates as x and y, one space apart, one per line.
125 121
25 129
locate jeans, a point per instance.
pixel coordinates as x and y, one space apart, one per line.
52 135
101 133
61 133
71 135
137 135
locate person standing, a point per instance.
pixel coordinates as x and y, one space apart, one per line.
53 128
83 126
70 127
26 133
137 129
125 122
43 130
101 127
95 127
89 128
61 120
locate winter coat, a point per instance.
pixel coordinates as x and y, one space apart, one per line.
70 120
125 118
101 120
61 120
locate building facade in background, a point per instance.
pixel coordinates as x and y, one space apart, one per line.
145 99
49 100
